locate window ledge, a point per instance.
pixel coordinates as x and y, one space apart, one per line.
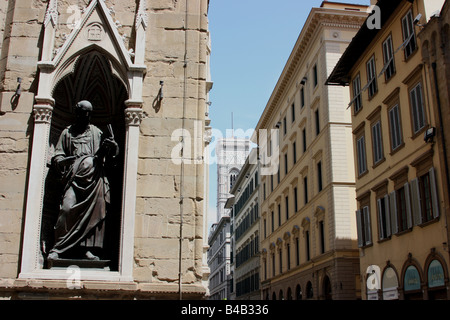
400 233
432 221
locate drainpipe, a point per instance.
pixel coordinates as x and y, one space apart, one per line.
180 258
444 147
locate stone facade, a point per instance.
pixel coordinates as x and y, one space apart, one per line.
150 61
401 180
308 233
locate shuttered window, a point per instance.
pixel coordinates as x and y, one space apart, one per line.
364 227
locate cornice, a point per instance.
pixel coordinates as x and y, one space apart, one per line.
318 18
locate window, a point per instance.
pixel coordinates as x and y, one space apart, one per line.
280 255
271 183
302 97
294 152
384 223
232 180
278 174
279 214
285 163
288 252
316 115
304 139
425 205
305 186
284 126
308 253
265 228
322 236
315 76
372 77
319 176
273 264
272 216
377 142
417 108
357 100
295 200
297 251
395 127
287 207
361 155
409 36
293 112
364 227
264 190
400 209
388 56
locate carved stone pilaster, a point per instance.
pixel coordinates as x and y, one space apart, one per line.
133 116
42 113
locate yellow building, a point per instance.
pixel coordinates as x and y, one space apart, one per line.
308 234
400 181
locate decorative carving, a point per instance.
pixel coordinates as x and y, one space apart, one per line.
52 13
95 32
42 113
208 136
142 16
133 116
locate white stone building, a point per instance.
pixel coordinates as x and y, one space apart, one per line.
231 154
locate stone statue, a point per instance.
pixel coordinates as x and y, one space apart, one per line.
80 156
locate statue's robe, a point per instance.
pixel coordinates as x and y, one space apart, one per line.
83 223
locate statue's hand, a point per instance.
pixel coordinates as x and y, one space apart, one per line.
111 146
61 162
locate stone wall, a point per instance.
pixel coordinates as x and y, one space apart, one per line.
176 53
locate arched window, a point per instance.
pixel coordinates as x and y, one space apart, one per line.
390 284
327 288
298 292
309 290
289 294
412 284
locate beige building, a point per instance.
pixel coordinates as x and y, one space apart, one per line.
308 231
401 184
144 65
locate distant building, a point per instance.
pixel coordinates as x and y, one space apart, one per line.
308 229
231 154
401 175
245 232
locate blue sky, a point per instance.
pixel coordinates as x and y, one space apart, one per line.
251 40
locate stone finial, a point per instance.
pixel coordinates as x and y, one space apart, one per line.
52 13
142 16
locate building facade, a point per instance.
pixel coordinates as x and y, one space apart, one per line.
401 184
144 65
231 154
245 231
308 232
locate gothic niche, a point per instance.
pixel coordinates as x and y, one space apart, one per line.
92 80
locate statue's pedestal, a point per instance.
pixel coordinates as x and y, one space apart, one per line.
80 263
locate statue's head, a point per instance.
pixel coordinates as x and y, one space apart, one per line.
83 110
